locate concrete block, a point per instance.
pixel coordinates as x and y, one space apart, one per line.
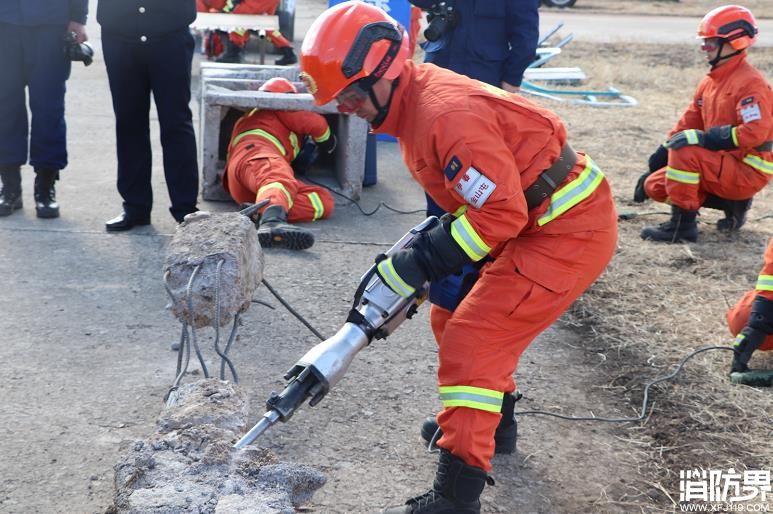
189 464
205 240
225 86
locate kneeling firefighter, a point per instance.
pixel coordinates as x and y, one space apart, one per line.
535 216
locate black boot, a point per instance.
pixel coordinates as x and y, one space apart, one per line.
45 193
288 57
456 490
10 194
681 227
735 212
275 232
232 53
504 437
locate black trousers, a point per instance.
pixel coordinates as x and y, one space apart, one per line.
161 66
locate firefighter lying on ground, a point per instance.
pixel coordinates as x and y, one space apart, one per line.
263 145
534 215
230 48
719 153
751 319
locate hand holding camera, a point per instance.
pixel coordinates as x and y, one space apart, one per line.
442 17
75 46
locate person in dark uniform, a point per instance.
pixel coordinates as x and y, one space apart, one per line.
148 49
32 36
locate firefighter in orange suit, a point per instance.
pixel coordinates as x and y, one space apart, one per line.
719 153
263 145
238 39
537 217
751 319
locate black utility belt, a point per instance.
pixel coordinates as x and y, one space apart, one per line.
767 146
549 179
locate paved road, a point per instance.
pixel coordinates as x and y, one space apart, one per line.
650 29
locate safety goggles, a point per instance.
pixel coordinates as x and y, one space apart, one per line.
710 44
351 99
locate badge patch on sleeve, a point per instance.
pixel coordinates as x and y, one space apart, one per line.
751 112
475 187
454 165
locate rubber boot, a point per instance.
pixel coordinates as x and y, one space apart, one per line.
456 490
45 193
232 54
275 232
681 227
735 212
505 435
288 57
10 194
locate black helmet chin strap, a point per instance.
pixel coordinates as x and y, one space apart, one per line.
716 60
382 110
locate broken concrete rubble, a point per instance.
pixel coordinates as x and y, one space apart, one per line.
189 465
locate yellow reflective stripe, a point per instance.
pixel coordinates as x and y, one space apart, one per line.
685 177
734 135
573 193
471 397
759 164
319 207
461 210
692 137
393 280
277 185
276 33
466 237
294 143
261 133
764 283
324 137
739 339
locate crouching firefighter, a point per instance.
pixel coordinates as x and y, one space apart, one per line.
719 154
751 319
538 215
263 145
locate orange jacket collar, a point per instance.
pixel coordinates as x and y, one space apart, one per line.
728 67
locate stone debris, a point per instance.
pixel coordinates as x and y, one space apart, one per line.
190 465
204 240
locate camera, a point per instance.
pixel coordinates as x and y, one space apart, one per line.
75 51
442 17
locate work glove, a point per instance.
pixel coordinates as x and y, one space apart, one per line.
686 138
639 194
658 159
719 138
745 343
432 256
328 145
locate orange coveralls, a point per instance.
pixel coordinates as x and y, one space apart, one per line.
452 128
734 94
263 144
738 316
241 37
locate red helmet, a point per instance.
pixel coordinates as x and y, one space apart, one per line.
349 42
733 23
278 85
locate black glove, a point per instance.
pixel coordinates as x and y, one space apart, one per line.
659 158
719 138
328 145
686 138
745 343
639 194
432 255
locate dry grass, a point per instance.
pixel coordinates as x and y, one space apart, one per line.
761 8
656 302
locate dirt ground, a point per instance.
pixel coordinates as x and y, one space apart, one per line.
90 378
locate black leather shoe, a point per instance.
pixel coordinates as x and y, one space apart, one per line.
124 222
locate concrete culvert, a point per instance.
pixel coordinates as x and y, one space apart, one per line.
189 464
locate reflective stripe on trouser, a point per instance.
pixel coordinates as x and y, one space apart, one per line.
569 195
720 173
246 178
518 295
278 40
738 316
